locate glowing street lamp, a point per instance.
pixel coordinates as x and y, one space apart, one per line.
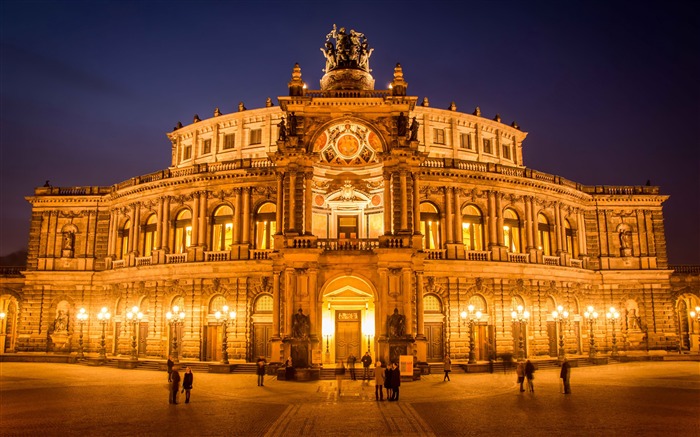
224 317
612 316
520 316
471 317
175 319
103 316
134 317
82 317
561 316
591 315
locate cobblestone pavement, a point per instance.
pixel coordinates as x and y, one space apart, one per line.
637 399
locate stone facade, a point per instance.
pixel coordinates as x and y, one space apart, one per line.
350 204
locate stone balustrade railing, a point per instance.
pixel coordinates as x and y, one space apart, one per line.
551 260
222 255
175 258
143 261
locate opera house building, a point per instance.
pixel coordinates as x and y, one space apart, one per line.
346 219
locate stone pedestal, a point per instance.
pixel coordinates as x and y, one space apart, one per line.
127 364
220 368
61 342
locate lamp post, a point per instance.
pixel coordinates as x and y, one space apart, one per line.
224 317
175 319
471 317
520 316
561 316
592 316
103 316
134 317
2 331
612 316
696 315
82 316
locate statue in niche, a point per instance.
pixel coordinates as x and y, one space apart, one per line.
401 125
61 322
397 324
68 240
300 325
292 125
282 129
414 130
625 238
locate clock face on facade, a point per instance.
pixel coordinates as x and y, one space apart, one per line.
348 143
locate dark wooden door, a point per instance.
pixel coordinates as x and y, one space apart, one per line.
552 335
347 334
261 341
433 333
213 342
143 338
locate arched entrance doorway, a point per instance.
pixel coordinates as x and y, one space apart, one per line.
348 324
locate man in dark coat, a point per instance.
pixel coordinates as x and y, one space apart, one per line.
261 371
351 364
565 374
366 362
174 385
388 377
170 364
395 381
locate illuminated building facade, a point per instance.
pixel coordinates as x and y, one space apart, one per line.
342 220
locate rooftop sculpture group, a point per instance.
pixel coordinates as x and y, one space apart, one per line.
350 50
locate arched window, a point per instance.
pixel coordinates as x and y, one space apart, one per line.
183 231
479 303
265 226
263 304
544 234
217 304
472 228
430 225
149 235
123 240
431 304
222 231
569 237
511 231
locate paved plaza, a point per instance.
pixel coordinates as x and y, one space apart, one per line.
634 399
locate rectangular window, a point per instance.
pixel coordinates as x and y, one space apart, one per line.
256 136
187 153
465 141
439 136
206 147
229 141
487 146
506 151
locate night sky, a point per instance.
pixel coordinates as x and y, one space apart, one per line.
608 91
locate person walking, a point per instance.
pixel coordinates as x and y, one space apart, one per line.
378 381
187 381
260 370
170 364
339 375
366 362
174 385
530 375
395 381
520 371
447 368
352 359
565 374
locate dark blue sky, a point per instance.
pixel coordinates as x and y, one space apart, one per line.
608 91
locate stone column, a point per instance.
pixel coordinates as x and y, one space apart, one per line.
642 232
404 200
112 236
314 314
450 222
491 220
530 243
406 292
132 229
276 304
238 224
499 219
416 205
159 225
203 218
458 217
292 205
195 219
419 304
308 200
381 306
280 203
246 215
289 279
581 227
387 204
166 224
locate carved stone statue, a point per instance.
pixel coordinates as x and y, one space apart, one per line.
401 125
300 325
61 322
351 50
625 238
68 240
414 130
397 324
292 125
282 130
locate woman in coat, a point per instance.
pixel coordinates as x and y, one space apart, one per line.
378 381
187 384
395 382
530 375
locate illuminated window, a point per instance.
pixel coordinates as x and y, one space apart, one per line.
229 141
430 225
465 141
431 304
123 243
256 136
511 231
183 231
187 152
265 226
472 228
150 232
439 136
263 304
506 151
569 234
222 229
206 147
487 146
544 234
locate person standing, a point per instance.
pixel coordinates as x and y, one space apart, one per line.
388 378
565 374
260 370
530 375
351 364
447 368
395 381
339 375
520 371
174 385
187 381
378 381
366 362
170 364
